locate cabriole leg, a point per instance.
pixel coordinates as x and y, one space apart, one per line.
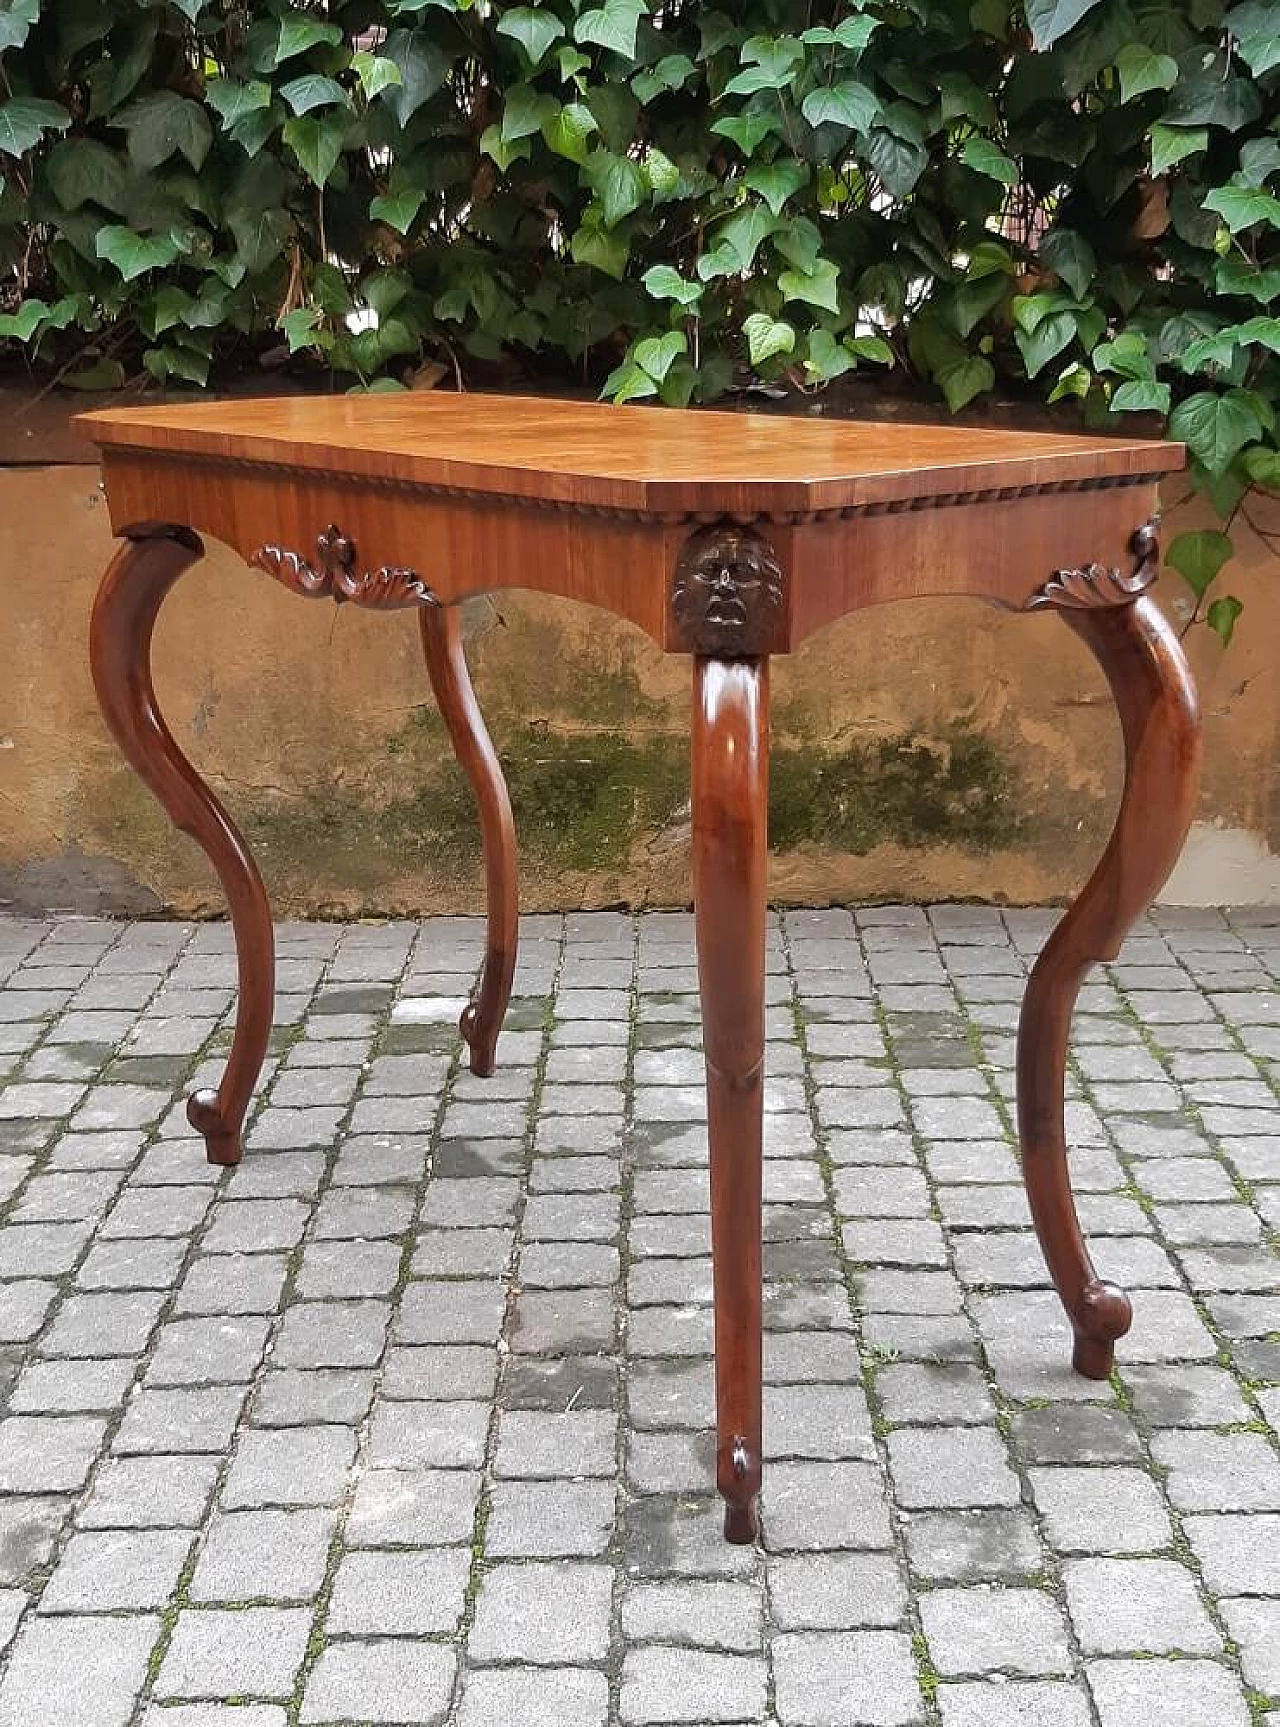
124 614
1147 671
447 668
730 844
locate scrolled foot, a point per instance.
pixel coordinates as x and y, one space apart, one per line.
1104 1314
480 1039
221 1136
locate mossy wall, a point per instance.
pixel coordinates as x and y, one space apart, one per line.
926 749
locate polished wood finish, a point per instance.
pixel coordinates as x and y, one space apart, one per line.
729 537
730 786
450 679
1147 672
596 503
124 616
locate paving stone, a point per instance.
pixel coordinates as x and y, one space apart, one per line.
547 1519
543 1613
1113 1510
986 1629
998 1703
434 1435
828 1679
1219 1471
820 1506
569 1695
936 1468
1124 1606
400 1594
972 1546
332 1334
180 1420
540 1443
1255 1626
380 1680
661 1684
93 1667
221 1652
48 1454
150 1493
303 1466
225 1349
1153 1693
263 1555
309 1397
1238 1554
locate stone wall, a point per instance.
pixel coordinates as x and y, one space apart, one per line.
929 749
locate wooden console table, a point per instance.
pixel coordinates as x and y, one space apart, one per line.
726 537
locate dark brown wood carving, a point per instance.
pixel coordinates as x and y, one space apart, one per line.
334 575
726 595
1095 585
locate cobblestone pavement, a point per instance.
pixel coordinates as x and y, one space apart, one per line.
408 1418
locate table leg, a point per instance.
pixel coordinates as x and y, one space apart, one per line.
133 589
447 668
1148 675
730 857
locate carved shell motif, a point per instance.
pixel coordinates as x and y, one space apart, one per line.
334 575
1096 586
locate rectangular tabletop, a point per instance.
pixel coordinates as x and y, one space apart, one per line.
630 458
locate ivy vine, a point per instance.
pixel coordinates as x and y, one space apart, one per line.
1072 201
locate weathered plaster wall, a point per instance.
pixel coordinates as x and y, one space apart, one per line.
935 748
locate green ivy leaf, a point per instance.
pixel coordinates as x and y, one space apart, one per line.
1173 144
770 63
852 33
1244 207
1129 355
1050 20
317 144
777 181
849 104
81 171
1141 69
21 325
827 358
525 112
1221 617
962 379
133 254
24 121
1141 395
618 183
1070 256
872 348
423 66
987 158
819 287
613 25
747 131
534 28
504 154
666 283
899 162
604 249
657 354
1198 557
162 124
741 236
232 100
375 72
627 383
1263 467
398 212
313 91
767 337
1050 336
298 32
672 72
16 19
1214 428
569 130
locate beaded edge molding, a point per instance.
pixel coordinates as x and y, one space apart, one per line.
432 489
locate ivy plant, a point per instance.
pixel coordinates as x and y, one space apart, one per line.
1070 201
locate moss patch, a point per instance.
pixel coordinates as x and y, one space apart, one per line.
956 789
